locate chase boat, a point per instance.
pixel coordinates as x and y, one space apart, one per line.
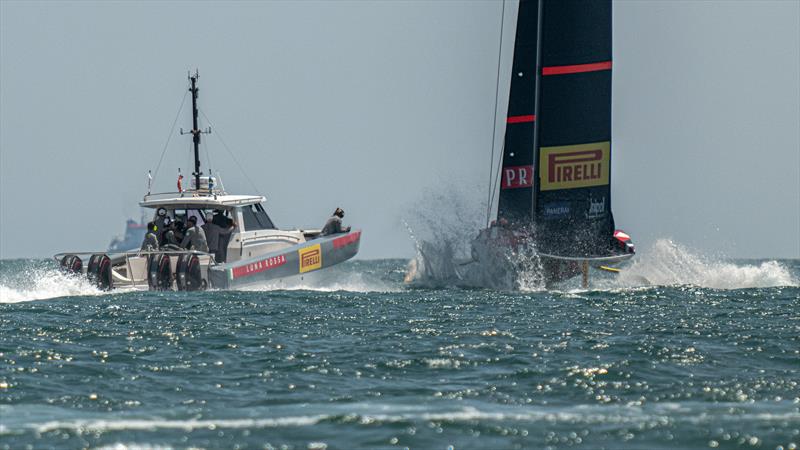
255 252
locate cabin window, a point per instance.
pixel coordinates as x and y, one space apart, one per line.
255 218
182 215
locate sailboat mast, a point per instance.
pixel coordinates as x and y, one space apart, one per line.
195 131
536 108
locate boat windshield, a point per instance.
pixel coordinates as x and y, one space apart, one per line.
202 215
255 218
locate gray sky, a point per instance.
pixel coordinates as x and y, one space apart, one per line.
369 106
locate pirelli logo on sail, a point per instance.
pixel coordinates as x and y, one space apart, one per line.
310 258
574 166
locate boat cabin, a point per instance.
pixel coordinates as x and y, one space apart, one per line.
254 234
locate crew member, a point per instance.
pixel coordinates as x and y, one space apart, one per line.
161 220
150 239
214 233
162 229
173 235
334 224
195 237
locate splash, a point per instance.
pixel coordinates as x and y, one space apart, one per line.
669 263
38 281
443 230
441 227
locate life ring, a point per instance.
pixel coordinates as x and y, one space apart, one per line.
71 264
99 271
188 276
159 274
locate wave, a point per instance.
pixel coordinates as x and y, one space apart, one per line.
668 263
99 426
663 414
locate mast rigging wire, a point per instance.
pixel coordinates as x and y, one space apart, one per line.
496 175
208 156
233 157
492 177
169 137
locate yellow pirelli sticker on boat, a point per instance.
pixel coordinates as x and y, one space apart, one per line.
310 258
574 166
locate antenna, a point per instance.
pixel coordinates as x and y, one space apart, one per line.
196 131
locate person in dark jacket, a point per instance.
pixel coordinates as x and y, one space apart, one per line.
150 239
334 224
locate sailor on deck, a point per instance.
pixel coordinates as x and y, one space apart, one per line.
215 230
195 237
173 236
334 224
161 220
150 239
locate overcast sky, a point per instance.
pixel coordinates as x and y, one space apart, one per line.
372 105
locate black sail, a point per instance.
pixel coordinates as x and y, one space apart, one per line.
516 178
566 134
572 188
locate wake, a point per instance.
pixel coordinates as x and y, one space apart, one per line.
39 283
668 263
332 280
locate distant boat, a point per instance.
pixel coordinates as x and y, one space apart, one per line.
132 239
554 187
254 252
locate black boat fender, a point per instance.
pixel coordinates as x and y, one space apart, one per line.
187 273
99 271
159 274
71 264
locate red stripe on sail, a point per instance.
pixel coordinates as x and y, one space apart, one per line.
577 68
521 119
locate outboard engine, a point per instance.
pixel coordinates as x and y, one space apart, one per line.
159 274
71 264
99 271
187 273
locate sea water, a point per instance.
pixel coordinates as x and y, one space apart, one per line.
706 356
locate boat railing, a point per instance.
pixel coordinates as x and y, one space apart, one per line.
133 253
183 194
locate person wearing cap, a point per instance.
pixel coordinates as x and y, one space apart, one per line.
150 242
194 238
334 224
